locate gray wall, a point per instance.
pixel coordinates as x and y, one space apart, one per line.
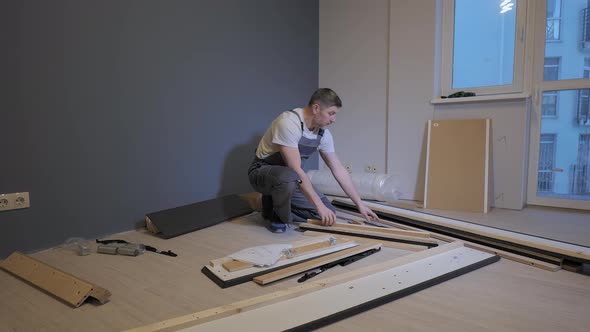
113 109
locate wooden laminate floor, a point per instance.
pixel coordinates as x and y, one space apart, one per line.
505 296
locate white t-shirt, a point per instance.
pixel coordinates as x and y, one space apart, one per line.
286 130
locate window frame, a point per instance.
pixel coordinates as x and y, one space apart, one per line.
447 49
538 12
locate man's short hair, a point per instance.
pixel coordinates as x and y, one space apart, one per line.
325 98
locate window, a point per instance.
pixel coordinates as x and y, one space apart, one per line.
546 161
550 73
482 46
551 68
583 111
553 20
561 79
581 170
549 107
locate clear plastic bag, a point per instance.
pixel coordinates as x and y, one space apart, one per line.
79 244
372 186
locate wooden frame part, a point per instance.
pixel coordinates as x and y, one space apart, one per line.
236 265
502 253
348 294
223 278
314 263
373 229
497 236
174 324
377 233
60 284
388 244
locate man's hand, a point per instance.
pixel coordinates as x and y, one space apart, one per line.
327 216
367 213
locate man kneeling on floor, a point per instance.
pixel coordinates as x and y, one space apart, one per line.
276 171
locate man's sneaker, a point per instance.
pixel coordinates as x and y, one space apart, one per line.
277 227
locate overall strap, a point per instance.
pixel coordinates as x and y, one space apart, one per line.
300 120
320 131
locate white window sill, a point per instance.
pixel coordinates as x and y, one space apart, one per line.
500 97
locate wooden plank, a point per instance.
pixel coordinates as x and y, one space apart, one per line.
215 271
372 234
385 223
325 306
555 266
552 264
457 165
502 253
388 244
60 284
216 263
372 229
200 317
504 236
236 265
311 264
350 219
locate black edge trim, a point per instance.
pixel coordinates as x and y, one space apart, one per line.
495 243
393 296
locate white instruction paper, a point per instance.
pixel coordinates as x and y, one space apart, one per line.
262 255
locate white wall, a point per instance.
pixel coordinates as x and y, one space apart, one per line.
353 62
380 56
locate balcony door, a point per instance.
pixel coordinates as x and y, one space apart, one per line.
559 165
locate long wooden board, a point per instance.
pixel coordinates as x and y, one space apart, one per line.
377 234
312 264
388 244
176 323
502 253
373 229
331 304
60 284
547 246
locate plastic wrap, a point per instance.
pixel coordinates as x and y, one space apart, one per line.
79 244
372 186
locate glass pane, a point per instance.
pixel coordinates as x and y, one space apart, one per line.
484 40
549 103
551 69
567 39
564 149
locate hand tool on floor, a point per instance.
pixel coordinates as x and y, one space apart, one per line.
123 247
341 262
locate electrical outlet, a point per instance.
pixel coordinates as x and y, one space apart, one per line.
14 201
348 167
371 169
3 202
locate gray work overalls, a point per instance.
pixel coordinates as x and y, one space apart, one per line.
279 184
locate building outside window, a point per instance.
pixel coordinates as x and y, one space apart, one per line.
546 163
553 20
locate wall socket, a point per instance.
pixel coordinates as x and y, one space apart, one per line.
348 167
14 201
371 169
